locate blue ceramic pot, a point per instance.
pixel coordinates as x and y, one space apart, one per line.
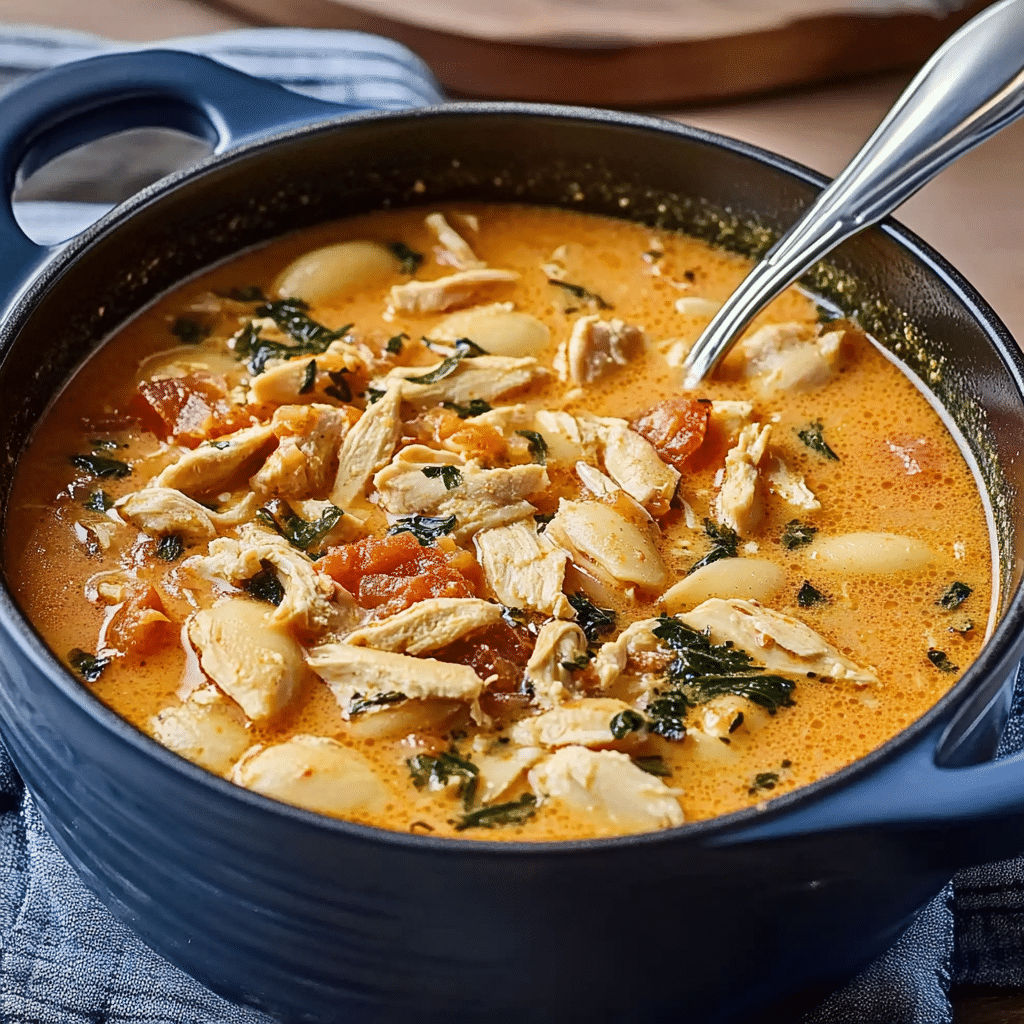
319 920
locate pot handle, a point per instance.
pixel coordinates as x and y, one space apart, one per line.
70 105
910 787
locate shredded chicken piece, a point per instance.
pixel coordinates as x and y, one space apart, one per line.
501 767
307 602
780 642
161 511
282 383
605 785
213 465
595 347
446 292
789 486
457 249
481 499
558 644
739 503
305 461
585 723
367 447
427 625
613 657
524 568
485 377
730 416
781 357
258 666
364 673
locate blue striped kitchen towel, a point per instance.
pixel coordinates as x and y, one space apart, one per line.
63 958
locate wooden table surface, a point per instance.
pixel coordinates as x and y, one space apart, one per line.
972 213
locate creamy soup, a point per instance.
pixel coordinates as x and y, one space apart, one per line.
407 520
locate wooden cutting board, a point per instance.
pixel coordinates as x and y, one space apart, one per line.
808 52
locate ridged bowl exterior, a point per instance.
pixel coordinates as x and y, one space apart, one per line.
323 921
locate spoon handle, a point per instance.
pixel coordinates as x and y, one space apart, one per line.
972 87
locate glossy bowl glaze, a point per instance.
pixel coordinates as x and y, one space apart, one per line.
319 920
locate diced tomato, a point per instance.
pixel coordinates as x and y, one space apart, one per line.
392 573
141 626
676 428
188 409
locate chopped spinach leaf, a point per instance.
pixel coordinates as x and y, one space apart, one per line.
426 529
513 616
170 548
700 671
724 544
437 771
410 259
299 532
451 476
88 666
308 378
98 501
538 446
941 661
189 331
580 292
813 437
374 395
808 596
360 704
464 349
476 407
955 596
101 465
626 722
394 344
515 812
265 586
797 534
577 664
592 620
653 764
339 387
219 445
542 519
763 780
291 316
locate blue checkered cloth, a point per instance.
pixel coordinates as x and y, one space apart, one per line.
65 960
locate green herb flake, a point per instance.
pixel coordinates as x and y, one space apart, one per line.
394 344
542 519
265 586
98 501
308 336
374 395
436 772
626 722
724 544
443 369
515 812
764 781
300 533
339 387
594 621
797 535
189 331
579 292
451 476
246 293
653 764
88 666
308 378
426 529
538 446
700 671
359 704
813 437
808 596
410 259
941 661
101 465
955 596
513 616
577 664
476 407
170 548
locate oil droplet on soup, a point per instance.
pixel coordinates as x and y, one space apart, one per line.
406 519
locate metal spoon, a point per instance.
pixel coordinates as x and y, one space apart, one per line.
970 89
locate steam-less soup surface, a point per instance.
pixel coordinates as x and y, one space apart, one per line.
407 520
